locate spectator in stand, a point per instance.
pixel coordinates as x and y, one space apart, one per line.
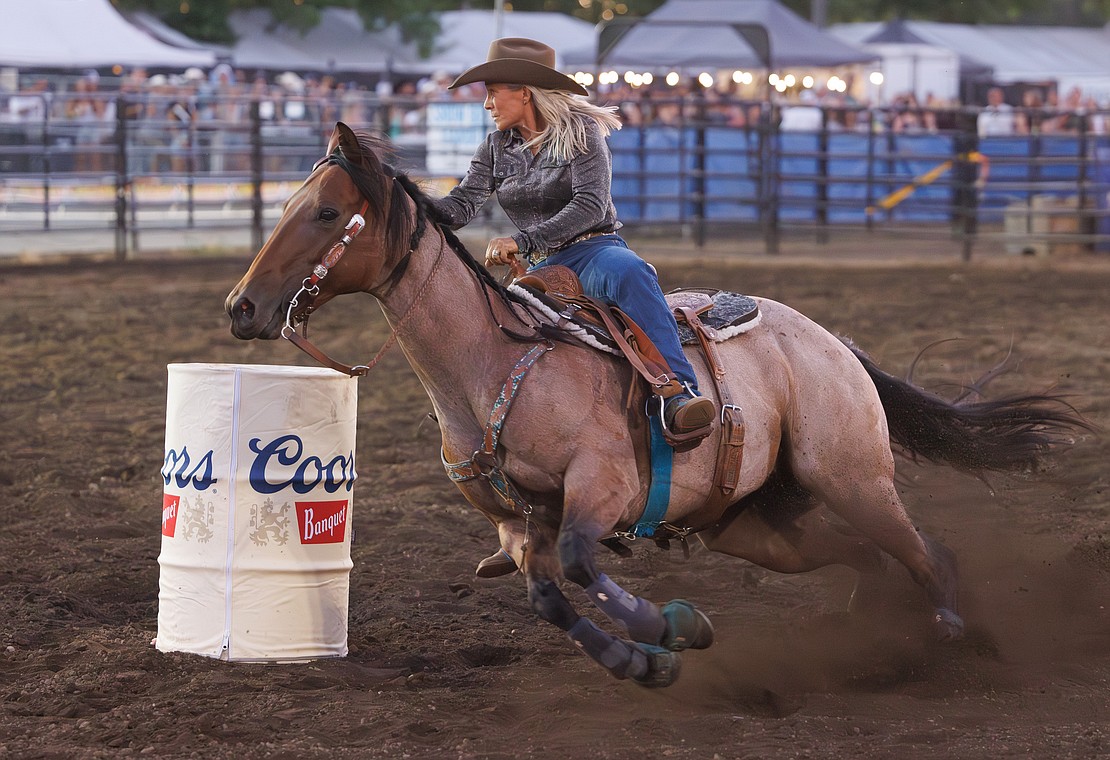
1070 120
1030 120
179 112
31 104
629 104
325 104
909 116
228 142
1097 117
407 112
805 116
95 117
944 113
352 104
294 105
997 118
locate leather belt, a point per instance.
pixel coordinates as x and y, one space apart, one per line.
537 257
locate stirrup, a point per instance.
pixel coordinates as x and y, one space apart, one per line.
497 564
690 420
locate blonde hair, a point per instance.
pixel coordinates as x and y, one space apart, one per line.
564 116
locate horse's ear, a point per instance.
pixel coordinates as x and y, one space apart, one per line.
333 141
344 137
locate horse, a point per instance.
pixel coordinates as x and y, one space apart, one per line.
566 470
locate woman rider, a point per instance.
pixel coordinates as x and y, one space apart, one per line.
551 168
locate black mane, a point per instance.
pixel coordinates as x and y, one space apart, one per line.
401 220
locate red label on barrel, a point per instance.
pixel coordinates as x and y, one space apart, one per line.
322 522
169 513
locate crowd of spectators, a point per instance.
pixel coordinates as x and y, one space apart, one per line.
1041 113
165 112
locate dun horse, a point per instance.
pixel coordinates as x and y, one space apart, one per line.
566 467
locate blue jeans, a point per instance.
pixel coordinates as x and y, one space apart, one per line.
610 271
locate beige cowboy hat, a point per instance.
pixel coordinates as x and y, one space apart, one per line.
518 60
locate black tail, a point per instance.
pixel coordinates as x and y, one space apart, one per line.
1011 433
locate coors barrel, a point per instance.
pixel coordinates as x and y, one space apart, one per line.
258 479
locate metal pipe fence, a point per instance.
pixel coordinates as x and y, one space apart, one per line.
703 168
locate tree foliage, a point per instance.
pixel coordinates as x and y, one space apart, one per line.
1063 12
206 20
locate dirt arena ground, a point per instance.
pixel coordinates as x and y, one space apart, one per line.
443 665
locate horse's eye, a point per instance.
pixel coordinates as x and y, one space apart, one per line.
328 215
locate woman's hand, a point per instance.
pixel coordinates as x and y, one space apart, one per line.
502 250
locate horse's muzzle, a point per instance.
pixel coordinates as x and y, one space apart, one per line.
245 321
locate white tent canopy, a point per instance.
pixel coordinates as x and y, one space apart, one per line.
687 33
338 43
466 35
85 34
341 43
1070 56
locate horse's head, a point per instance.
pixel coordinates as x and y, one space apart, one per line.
349 180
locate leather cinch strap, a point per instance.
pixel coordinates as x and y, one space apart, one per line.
730 451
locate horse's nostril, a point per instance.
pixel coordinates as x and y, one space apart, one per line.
244 308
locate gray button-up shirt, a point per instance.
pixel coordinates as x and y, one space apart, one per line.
551 202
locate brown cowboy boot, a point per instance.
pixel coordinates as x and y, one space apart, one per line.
497 564
685 415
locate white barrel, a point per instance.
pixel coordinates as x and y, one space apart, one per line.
256 512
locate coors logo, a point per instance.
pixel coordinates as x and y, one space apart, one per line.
283 463
180 467
322 522
170 506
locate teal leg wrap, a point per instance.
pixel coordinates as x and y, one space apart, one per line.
687 627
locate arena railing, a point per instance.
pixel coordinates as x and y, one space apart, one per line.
691 165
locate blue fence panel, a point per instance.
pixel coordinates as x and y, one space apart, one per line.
667 163
653 174
847 192
730 186
625 147
797 186
1060 147
1009 163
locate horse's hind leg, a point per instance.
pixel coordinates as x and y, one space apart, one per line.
804 542
809 540
873 507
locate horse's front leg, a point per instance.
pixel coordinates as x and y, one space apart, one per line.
677 626
645 664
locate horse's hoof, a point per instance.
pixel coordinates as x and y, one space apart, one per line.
948 625
687 627
663 666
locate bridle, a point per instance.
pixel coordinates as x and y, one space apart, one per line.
310 287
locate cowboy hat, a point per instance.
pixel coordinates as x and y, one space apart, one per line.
518 60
